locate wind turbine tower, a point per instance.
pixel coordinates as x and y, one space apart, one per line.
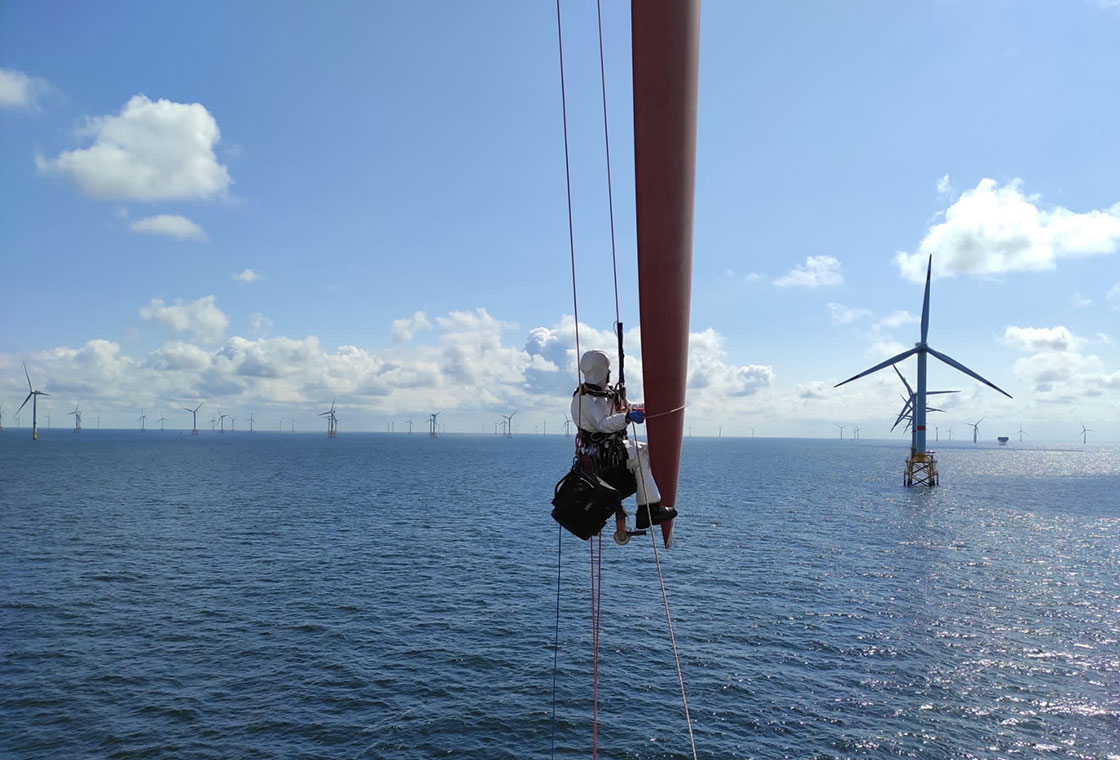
1084 431
251 420
432 429
921 466
221 420
509 424
194 418
1 416
161 420
32 396
568 428
77 418
837 424
1020 432
975 428
332 420
141 419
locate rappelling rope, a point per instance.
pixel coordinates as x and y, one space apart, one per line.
579 415
665 598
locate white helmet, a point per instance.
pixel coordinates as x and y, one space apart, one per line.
596 367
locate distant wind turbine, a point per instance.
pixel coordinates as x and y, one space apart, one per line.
77 418
568 428
1020 432
141 419
907 412
332 420
921 467
232 425
1084 431
32 396
161 420
1 416
221 420
837 424
975 428
509 424
194 418
432 424
251 420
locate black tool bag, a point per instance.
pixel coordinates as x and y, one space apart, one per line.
583 503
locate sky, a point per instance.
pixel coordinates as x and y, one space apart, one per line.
261 206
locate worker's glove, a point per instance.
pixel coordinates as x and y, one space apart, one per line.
636 415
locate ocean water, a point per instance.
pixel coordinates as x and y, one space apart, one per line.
274 595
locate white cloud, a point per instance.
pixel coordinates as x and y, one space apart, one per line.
18 90
818 271
259 323
1081 302
992 230
1042 339
1058 371
245 276
150 151
899 318
202 318
405 328
1113 296
171 225
843 315
943 186
177 355
754 277
711 378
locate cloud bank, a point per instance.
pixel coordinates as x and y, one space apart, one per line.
991 230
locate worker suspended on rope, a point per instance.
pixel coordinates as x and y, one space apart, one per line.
602 414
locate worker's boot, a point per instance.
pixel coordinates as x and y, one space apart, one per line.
653 513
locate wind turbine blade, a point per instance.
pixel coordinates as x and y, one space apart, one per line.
935 393
28 378
903 379
199 406
879 366
925 301
43 394
957 365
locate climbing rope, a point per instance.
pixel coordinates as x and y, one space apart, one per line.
556 635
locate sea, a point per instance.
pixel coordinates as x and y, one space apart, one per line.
279 595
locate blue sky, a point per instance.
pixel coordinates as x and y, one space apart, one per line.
265 205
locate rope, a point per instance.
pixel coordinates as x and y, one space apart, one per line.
673 640
664 414
596 607
607 143
568 179
665 601
556 635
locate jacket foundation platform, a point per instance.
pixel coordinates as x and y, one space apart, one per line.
921 469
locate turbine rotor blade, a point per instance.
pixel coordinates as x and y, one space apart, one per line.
903 379
925 301
957 365
27 376
879 366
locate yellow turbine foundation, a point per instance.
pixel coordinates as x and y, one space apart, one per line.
921 470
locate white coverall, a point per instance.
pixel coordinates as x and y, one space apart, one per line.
596 414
